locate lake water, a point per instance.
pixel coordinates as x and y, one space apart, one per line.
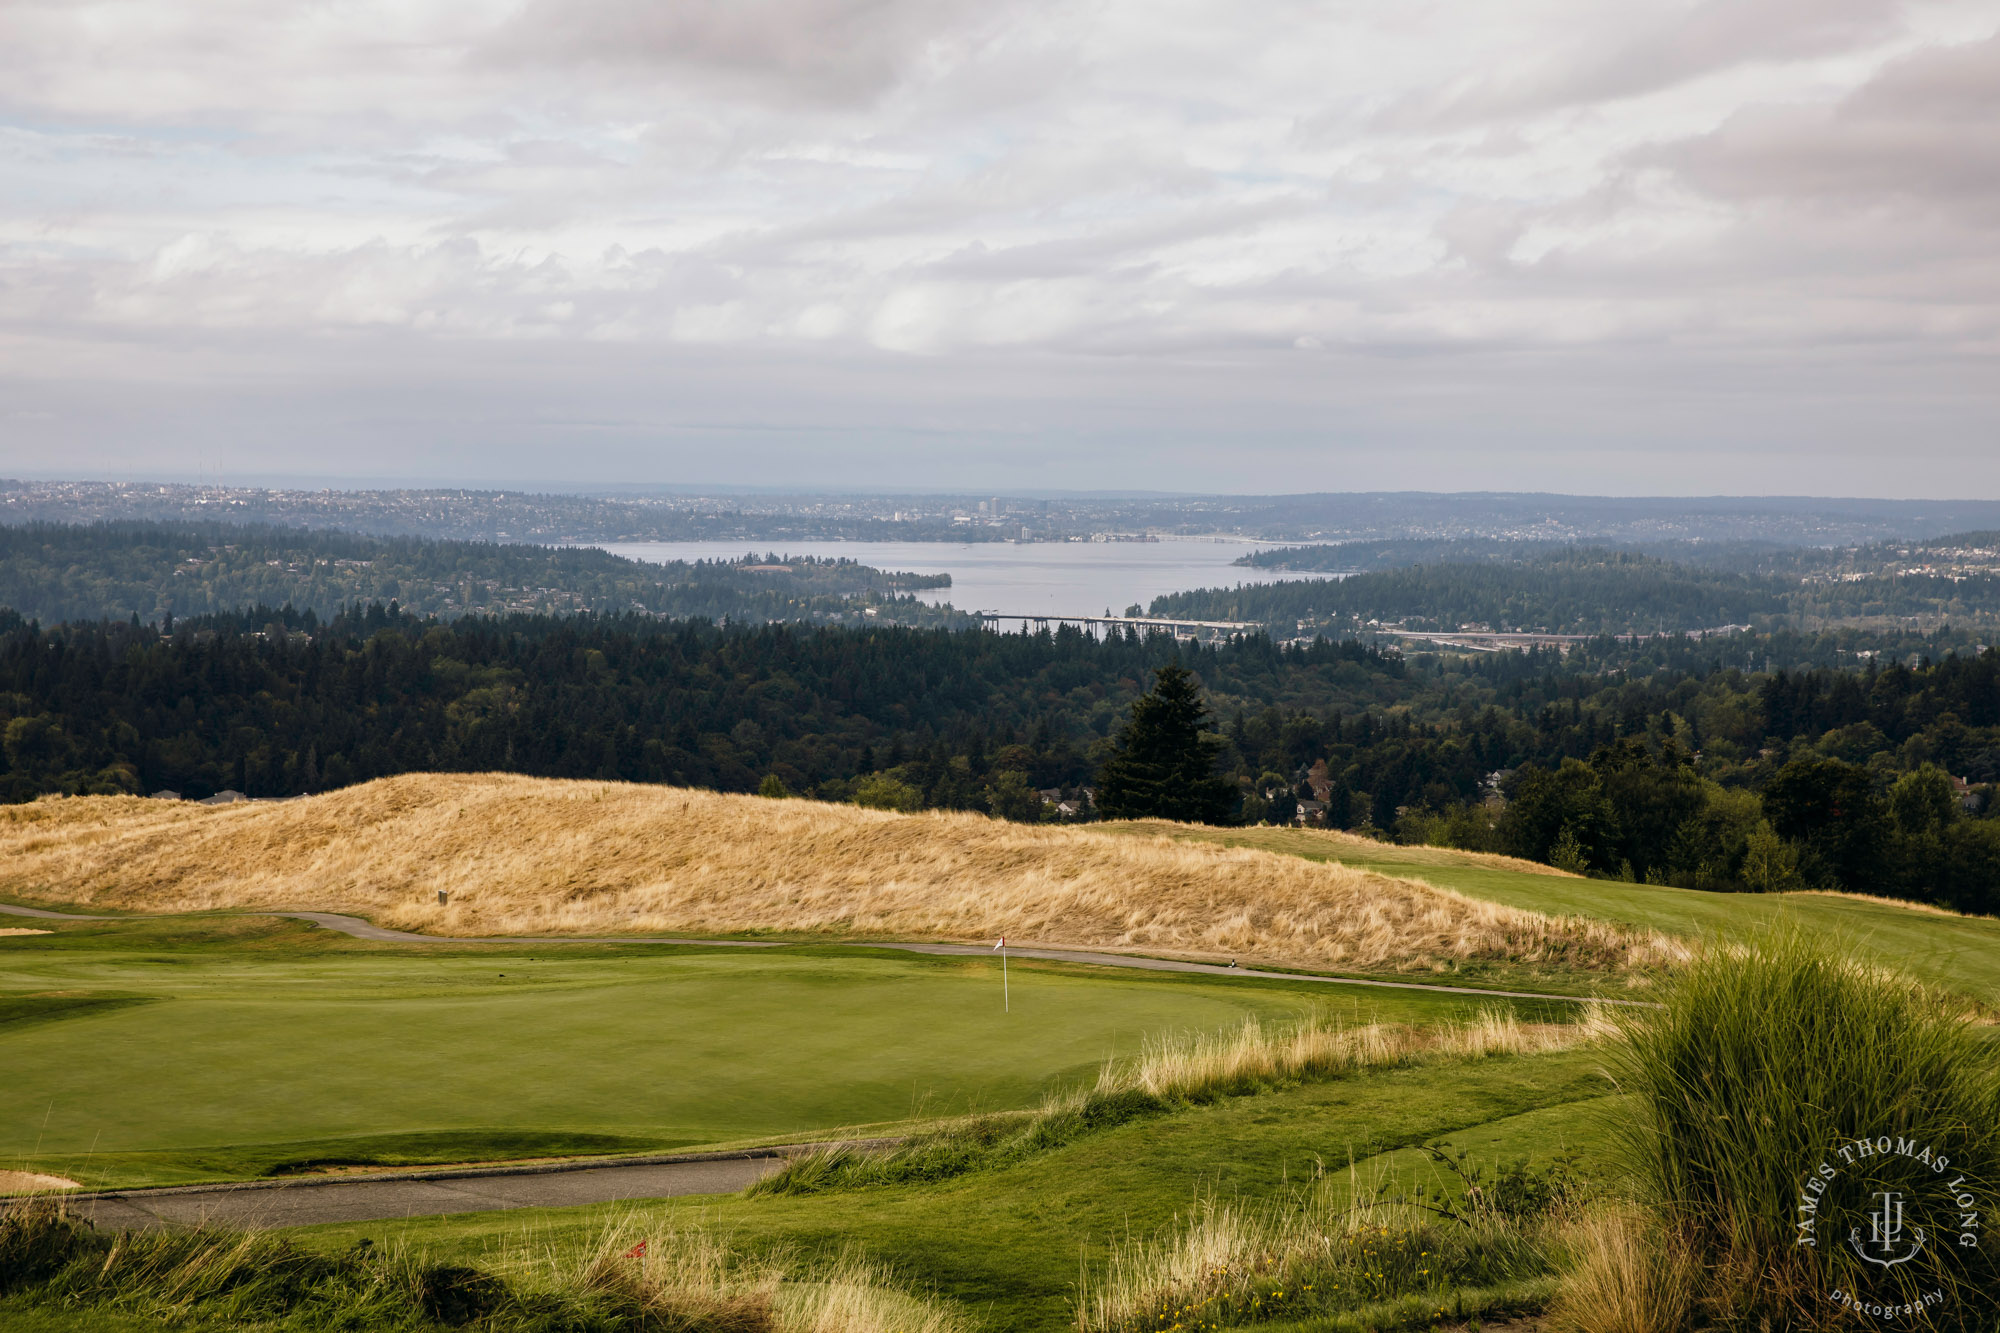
1033 579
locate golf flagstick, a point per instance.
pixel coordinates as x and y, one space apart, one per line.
1006 999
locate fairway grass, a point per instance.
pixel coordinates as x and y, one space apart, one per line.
493 854
138 1055
1960 952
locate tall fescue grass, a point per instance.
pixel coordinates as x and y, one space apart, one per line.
635 1275
852 1295
1763 1062
1198 1066
535 856
1327 1266
239 1278
1341 845
1174 1071
1624 1274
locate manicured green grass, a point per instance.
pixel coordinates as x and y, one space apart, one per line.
256 1047
1960 952
20 1315
1008 1243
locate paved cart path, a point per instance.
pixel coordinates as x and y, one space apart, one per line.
368 930
298 1203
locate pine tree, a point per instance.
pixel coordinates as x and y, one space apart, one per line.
1164 766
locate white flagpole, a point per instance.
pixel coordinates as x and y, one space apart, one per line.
1006 996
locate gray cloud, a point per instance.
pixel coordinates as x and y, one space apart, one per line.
1425 246
1921 134
1632 51
835 51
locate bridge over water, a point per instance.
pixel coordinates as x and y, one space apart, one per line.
1113 622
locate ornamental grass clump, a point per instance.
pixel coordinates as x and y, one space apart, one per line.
1785 1097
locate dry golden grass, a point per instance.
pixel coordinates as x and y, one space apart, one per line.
1930 909
1625 1276
673 1272
1334 842
535 856
1192 1064
672 1276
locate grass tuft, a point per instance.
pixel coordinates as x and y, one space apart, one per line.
1624 1275
636 1275
852 1295
1764 1062
1299 1259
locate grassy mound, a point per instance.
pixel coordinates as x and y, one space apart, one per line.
534 856
1940 947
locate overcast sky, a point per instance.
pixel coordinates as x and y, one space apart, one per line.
1641 247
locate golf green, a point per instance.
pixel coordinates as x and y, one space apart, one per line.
148 1063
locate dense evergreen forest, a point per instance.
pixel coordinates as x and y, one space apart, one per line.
1666 760
1584 590
58 571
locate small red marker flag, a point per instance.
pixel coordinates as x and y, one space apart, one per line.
637 1251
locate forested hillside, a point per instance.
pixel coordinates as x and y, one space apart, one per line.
1661 760
55 571
1580 591
1583 590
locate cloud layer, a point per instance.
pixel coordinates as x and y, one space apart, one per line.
1726 245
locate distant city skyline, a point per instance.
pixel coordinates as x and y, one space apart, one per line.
1683 247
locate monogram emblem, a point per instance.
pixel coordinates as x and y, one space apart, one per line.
1885 1234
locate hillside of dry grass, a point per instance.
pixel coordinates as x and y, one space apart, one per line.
535 856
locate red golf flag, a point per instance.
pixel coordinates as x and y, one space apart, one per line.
637 1251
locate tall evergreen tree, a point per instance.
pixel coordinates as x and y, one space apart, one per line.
1164 766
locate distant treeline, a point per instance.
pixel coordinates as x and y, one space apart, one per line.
1584 590
58 571
1789 560
469 515
275 702
1662 761
1579 591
